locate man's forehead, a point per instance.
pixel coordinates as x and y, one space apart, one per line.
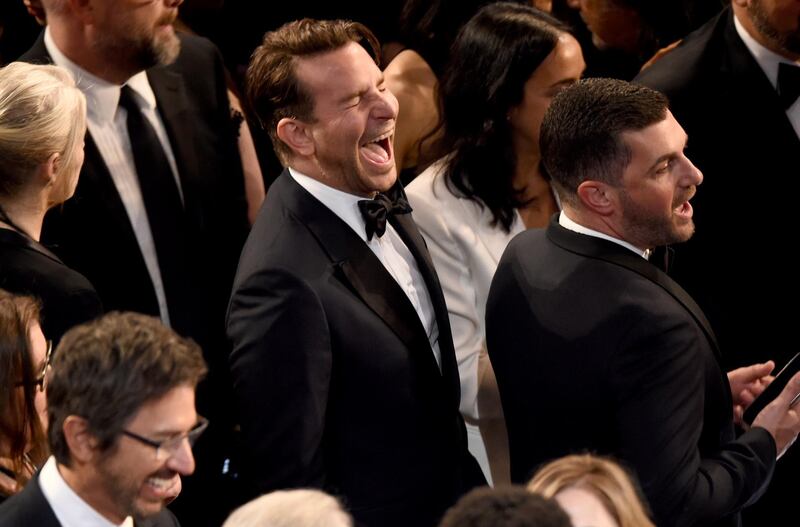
341 64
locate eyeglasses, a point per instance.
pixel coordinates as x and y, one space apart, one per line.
41 380
170 447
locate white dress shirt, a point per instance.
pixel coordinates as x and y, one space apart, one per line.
390 250
566 222
768 60
69 508
107 123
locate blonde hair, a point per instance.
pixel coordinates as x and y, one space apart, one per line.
42 113
291 508
603 478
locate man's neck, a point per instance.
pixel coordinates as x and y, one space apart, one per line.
746 20
87 484
83 54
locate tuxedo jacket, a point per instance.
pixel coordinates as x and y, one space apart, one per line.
335 379
92 233
28 268
30 507
743 142
595 349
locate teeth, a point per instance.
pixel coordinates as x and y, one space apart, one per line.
380 137
160 483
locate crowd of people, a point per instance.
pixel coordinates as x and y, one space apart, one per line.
471 295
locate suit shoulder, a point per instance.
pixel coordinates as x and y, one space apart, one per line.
687 66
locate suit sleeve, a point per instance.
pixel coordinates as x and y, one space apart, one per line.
280 367
662 381
452 265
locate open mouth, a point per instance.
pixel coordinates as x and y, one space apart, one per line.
378 151
684 210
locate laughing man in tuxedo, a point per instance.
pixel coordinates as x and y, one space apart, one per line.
343 362
621 359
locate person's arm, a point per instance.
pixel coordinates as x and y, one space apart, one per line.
280 368
662 371
253 178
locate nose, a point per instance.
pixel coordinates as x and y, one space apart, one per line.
693 176
386 106
182 460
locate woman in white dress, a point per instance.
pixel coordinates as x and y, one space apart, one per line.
507 64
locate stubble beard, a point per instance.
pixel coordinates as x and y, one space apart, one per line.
789 41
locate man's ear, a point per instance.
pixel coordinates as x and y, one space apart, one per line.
297 136
81 442
598 197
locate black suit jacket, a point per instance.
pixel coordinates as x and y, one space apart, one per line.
31 508
745 212
336 382
596 349
92 233
28 268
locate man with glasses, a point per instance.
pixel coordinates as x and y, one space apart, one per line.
122 422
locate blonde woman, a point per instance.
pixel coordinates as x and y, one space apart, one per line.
291 508
42 125
594 491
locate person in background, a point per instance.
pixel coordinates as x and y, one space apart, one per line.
509 61
291 508
122 423
24 365
594 491
42 125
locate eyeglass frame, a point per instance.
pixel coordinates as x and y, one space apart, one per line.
192 436
40 381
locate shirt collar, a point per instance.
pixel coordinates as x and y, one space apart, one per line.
102 97
767 59
69 508
569 224
342 204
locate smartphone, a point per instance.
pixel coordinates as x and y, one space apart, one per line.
773 390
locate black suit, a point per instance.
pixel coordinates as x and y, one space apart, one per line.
596 349
93 235
742 140
27 268
336 381
31 508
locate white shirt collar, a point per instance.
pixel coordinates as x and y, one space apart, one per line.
767 59
102 97
569 224
342 204
69 508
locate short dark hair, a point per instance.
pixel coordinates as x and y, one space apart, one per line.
505 506
581 134
105 370
272 87
21 431
495 54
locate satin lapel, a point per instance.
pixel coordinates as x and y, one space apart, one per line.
358 268
408 231
176 114
600 249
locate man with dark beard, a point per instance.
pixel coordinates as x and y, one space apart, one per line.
621 360
122 423
159 216
734 86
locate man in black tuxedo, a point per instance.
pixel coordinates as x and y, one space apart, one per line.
734 85
343 362
621 360
158 218
122 422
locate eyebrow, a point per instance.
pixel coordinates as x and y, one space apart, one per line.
667 157
360 93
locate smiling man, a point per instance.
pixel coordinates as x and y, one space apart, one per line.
343 361
122 422
624 362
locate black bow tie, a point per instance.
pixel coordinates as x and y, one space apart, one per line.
788 84
376 211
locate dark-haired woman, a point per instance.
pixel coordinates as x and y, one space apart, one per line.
24 360
42 126
507 64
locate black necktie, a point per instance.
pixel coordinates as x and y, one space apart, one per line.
376 211
162 203
788 84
